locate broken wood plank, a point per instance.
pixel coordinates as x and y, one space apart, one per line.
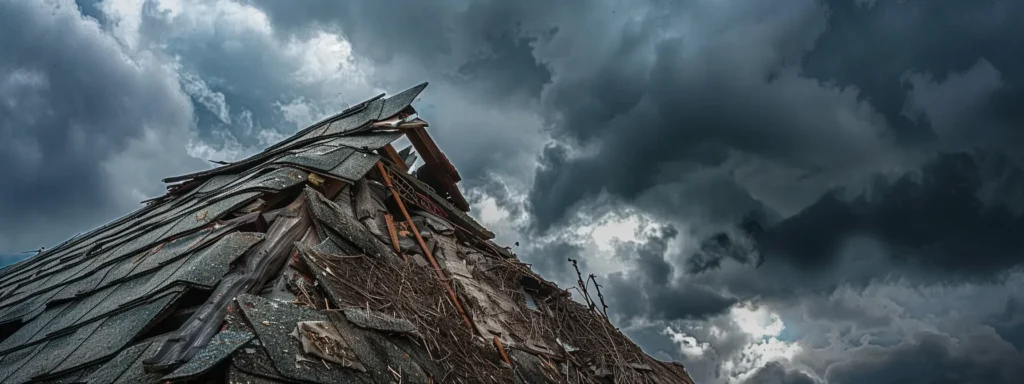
392 232
363 203
391 154
437 164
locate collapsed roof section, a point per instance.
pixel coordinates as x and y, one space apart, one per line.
322 259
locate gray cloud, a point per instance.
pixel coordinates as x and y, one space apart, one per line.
819 107
940 38
933 358
936 220
652 290
73 103
1009 324
668 107
478 56
775 373
695 114
552 259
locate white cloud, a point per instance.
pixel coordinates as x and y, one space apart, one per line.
208 18
227 148
201 93
612 228
689 346
126 19
327 57
757 322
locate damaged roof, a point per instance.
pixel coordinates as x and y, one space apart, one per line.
323 259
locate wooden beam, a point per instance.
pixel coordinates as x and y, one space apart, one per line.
442 170
392 154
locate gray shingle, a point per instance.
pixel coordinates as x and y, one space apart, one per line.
215 183
236 375
170 250
52 354
135 373
115 332
378 321
357 120
207 266
13 361
210 213
343 222
320 158
219 348
398 102
369 141
355 166
273 322
111 370
27 331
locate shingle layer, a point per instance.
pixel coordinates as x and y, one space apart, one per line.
317 260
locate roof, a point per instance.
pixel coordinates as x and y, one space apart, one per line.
322 259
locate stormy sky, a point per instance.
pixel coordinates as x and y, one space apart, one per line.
797 191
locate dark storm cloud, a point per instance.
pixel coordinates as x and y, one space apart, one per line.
652 290
936 37
1009 324
933 358
694 112
552 260
479 46
801 91
668 106
775 373
71 100
219 77
935 220
478 56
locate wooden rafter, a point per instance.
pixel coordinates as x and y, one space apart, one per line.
443 173
392 154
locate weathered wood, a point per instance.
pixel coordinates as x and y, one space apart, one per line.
392 154
363 201
258 266
437 164
392 232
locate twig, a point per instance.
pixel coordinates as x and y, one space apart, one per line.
581 284
604 307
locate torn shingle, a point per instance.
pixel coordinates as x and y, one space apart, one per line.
218 349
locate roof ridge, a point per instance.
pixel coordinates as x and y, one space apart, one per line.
387 108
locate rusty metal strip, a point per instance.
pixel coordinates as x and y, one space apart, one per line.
423 245
392 232
409 193
501 349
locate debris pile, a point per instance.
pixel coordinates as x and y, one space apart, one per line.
324 259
